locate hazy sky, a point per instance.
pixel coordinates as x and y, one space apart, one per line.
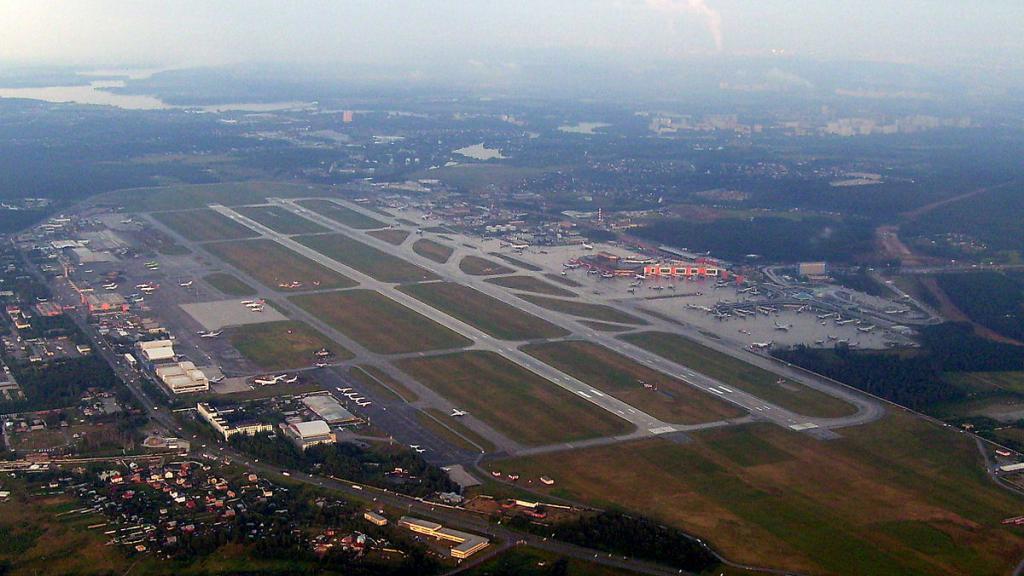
200 32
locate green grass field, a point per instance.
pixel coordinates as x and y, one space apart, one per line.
390 235
379 323
372 376
366 259
734 372
896 497
342 214
227 193
989 382
478 441
282 345
477 266
482 311
228 284
518 403
280 220
203 225
433 250
522 561
274 265
531 284
671 399
583 309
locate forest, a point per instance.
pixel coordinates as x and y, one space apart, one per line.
349 461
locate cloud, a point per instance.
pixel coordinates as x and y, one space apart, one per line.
712 18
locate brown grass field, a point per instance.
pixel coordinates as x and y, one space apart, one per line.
433 250
477 266
379 323
365 258
672 400
282 345
583 309
390 235
273 265
280 220
342 214
605 327
531 284
734 372
516 402
896 497
517 262
563 280
203 225
482 311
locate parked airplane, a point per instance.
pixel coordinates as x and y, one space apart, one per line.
783 327
210 334
587 246
185 284
761 345
868 328
457 413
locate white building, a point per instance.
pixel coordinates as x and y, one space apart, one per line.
156 350
306 434
220 421
182 378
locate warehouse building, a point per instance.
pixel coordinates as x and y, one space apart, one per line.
182 377
327 408
306 434
466 544
227 423
155 351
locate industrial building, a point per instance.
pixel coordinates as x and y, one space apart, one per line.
684 270
182 377
466 544
155 351
375 519
104 303
327 408
227 424
306 434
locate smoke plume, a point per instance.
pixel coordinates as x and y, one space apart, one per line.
712 19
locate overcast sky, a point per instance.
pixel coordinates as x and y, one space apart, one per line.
180 33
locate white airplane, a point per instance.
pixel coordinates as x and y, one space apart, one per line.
868 328
263 381
185 284
457 413
364 403
420 450
414 446
761 345
344 390
210 334
519 246
247 302
587 246
110 286
783 327
289 379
